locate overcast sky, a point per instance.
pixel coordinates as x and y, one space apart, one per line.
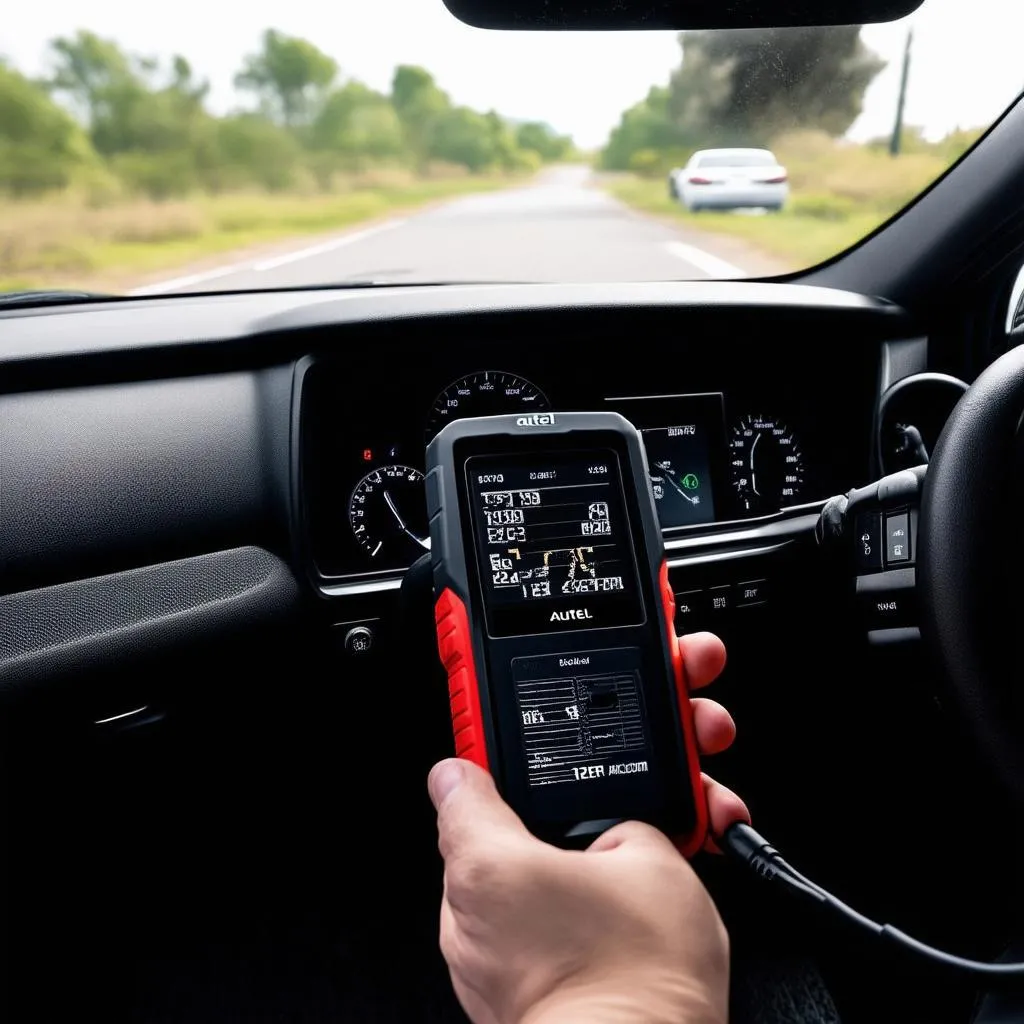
966 67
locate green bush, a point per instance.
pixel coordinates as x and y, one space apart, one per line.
647 163
156 176
253 151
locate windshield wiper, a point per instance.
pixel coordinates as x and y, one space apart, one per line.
22 299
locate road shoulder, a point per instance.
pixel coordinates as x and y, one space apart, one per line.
735 251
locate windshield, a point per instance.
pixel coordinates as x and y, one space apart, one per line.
269 145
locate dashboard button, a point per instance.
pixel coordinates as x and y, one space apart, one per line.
359 640
888 599
886 610
719 600
752 594
897 538
688 609
868 542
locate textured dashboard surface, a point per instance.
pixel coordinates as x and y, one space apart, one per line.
72 627
104 478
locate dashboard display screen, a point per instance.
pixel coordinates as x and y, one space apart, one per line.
684 437
680 467
554 549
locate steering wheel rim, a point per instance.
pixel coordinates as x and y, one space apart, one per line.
964 552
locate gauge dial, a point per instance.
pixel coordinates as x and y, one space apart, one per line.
766 464
487 393
388 513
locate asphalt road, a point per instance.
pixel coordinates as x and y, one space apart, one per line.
557 228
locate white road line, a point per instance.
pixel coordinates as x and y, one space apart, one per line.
190 280
704 261
330 246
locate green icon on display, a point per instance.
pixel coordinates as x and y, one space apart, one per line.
690 482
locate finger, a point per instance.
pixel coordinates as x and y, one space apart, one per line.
632 833
448 932
725 808
469 809
713 725
703 658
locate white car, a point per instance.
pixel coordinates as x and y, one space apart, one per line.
730 179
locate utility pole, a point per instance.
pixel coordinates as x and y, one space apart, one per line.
896 142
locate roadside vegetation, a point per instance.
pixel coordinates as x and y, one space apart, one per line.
113 163
796 93
65 242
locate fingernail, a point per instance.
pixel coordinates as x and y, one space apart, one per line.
445 777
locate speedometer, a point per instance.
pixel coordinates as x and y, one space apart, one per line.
388 513
487 393
766 464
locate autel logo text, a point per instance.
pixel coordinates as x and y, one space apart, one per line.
570 615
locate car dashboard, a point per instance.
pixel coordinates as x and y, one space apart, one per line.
718 458
751 419
215 605
138 433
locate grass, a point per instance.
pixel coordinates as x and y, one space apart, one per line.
63 242
840 192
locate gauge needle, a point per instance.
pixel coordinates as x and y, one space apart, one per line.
753 475
389 501
671 480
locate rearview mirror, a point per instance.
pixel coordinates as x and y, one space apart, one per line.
605 15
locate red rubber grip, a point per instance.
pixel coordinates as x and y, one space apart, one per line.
455 645
687 845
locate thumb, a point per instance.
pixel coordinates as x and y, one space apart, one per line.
469 809
631 834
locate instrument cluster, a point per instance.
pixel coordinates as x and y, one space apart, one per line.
711 461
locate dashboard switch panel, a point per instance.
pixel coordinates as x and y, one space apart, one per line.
869 542
751 594
688 610
897 538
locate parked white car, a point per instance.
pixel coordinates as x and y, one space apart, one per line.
730 179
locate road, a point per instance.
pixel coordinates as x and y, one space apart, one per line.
557 228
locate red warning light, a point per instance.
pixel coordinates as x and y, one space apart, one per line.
367 455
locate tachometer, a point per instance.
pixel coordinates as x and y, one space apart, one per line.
388 513
487 393
766 464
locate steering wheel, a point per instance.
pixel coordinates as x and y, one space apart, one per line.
969 567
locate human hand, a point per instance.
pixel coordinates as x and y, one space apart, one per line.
622 932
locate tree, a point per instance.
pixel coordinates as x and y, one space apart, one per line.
414 93
91 72
357 124
151 123
463 136
41 146
144 126
746 86
544 141
420 104
644 127
289 76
